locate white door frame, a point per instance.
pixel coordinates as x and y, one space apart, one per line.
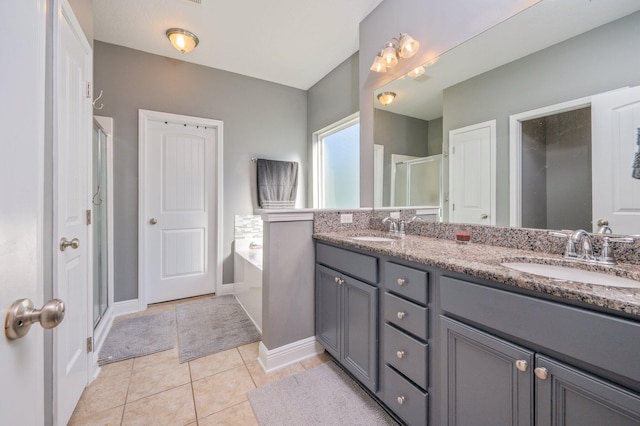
492 171
515 150
144 117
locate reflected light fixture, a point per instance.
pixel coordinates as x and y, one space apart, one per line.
183 40
403 47
386 98
417 72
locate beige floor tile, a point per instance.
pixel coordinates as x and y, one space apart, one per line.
104 393
222 390
249 352
171 407
215 363
314 361
155 378
110 417
119 368
240 414
156 358
261 378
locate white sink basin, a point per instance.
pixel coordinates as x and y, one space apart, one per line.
374 239
565 273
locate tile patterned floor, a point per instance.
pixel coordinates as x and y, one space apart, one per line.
157 390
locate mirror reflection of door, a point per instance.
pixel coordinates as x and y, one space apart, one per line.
472 174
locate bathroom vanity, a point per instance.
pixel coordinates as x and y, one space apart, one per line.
442 333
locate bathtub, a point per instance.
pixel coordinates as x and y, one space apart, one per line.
247 285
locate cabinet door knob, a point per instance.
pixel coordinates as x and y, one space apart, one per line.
522 365
400 354
401 281
541 373
337 280
401 315
400 399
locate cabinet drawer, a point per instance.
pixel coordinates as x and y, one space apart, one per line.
404 399
408 282
355 264
406 315
406 354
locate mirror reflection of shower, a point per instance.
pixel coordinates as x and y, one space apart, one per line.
417 181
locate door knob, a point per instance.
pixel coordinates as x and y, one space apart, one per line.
21 315
74 244
602 222
484 216
153 221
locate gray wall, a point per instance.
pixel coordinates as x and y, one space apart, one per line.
400 135
329 100
439 26
603 59
261 119
435 136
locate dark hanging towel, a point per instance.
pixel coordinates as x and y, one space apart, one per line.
277 183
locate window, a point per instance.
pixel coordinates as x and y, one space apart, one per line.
337 165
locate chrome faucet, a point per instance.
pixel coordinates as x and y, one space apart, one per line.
581 239
393 224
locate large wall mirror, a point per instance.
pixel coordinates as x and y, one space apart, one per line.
530 87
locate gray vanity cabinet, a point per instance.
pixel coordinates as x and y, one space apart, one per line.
568 396
347 311
490 380
484 385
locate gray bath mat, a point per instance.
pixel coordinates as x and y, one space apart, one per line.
324 395
212 325
139 336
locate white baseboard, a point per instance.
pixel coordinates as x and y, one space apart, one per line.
126 307
224 289
275 359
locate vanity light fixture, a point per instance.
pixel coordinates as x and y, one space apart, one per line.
403 47
378 64
183 40
386 98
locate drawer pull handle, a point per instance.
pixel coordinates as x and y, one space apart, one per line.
541 373
401 315
522 365
400 354
400 399
401 281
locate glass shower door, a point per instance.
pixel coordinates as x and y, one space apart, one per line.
99 225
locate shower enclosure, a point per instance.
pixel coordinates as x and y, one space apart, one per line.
99 224
418 182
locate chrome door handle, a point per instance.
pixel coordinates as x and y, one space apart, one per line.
153 221
21 315
74 244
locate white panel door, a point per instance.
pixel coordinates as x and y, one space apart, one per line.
22 78
472 182
180 211
615 138
72 157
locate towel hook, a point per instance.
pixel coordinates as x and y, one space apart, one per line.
96 100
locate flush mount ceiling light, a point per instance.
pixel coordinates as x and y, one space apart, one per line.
403 47
386 98
183 40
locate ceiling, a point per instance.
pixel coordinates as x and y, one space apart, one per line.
291 42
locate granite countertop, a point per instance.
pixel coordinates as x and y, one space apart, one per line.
484 261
